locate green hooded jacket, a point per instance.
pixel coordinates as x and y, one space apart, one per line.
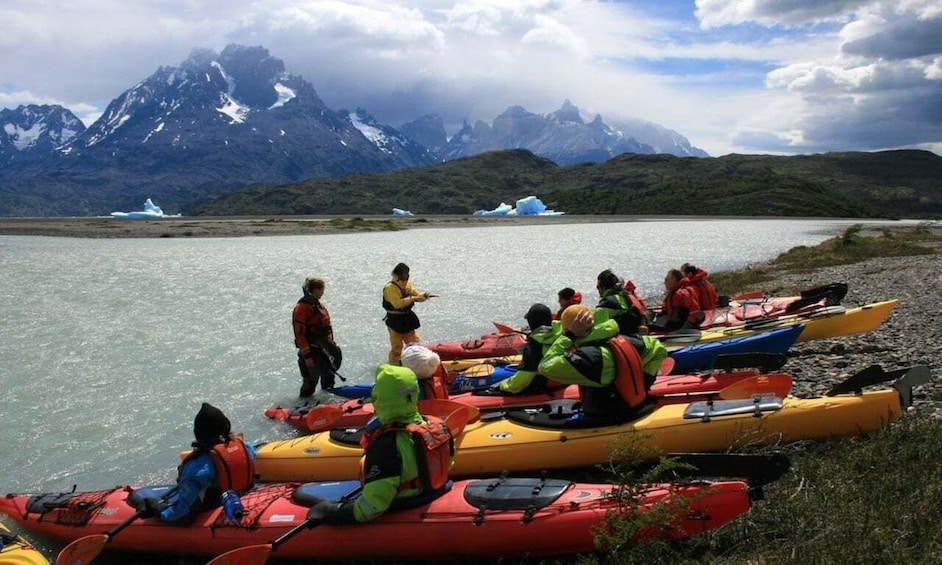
528 369
585 361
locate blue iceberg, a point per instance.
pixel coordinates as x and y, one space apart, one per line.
401 212
529 206
151 211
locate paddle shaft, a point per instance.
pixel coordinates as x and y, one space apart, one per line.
309 523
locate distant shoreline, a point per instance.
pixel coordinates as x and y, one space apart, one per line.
244 226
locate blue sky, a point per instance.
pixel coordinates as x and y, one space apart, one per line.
733 76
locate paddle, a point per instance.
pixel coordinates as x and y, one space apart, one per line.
259 554
775 384
505 329
86 548
323 417
446 409
326 416
682 336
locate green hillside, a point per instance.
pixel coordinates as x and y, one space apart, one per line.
886 184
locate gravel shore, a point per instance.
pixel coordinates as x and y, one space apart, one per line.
911 336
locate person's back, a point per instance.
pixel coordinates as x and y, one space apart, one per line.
706 292
427 366
616 304
407 456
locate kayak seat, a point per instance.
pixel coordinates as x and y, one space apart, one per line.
514 494
310 494
717 408
348 436
565 414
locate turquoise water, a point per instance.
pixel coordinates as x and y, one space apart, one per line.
109 346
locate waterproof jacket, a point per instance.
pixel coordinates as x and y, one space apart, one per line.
681 308
198 484
527 375
585 361
706 292
616 304
311 323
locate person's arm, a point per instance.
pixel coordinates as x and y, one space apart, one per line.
394 295
197 476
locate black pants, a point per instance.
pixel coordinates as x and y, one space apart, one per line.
311 375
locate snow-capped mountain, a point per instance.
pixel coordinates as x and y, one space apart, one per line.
565 137
35 131
215 124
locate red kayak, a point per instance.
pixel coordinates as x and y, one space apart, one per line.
757 307
670 389
497 344
492 518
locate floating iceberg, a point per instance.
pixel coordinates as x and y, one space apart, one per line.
151 211
529 206
401 212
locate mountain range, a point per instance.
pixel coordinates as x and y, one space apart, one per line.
221 122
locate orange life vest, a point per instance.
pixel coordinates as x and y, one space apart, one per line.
629 371
235 468
434 448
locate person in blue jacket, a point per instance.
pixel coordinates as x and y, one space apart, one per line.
218 463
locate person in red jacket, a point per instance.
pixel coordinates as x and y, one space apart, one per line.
318 354
680 308
706 292
567 297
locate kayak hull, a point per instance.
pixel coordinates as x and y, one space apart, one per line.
490 446
562 521
20 552
669 389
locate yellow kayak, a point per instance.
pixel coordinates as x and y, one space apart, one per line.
17 551
537 440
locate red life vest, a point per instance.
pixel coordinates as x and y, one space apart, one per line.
434 448
629 371
235 468
434 386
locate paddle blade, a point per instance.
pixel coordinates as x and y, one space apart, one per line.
82 551
775 384
442 408
667 365
323 417
248 555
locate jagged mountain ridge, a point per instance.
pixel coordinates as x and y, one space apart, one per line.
218 123
215 124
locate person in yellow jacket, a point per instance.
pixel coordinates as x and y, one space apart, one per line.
399 297
406 458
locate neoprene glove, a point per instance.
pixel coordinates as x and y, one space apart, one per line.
149 507
328 512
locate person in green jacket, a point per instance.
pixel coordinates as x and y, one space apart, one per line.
407 456
615 304
543 332
581 356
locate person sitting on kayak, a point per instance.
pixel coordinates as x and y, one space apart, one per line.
407 456
583 355
706 292
219 462
638 302
543 332
567 297
615 304
680 309
399 297
427 366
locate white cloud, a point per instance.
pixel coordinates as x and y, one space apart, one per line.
732 76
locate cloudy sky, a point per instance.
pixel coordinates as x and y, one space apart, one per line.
743 76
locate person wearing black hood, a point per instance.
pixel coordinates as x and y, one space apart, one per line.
543 332
220 461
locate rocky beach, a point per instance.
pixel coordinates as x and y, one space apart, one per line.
911 336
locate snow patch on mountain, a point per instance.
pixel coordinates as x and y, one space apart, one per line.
285 95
